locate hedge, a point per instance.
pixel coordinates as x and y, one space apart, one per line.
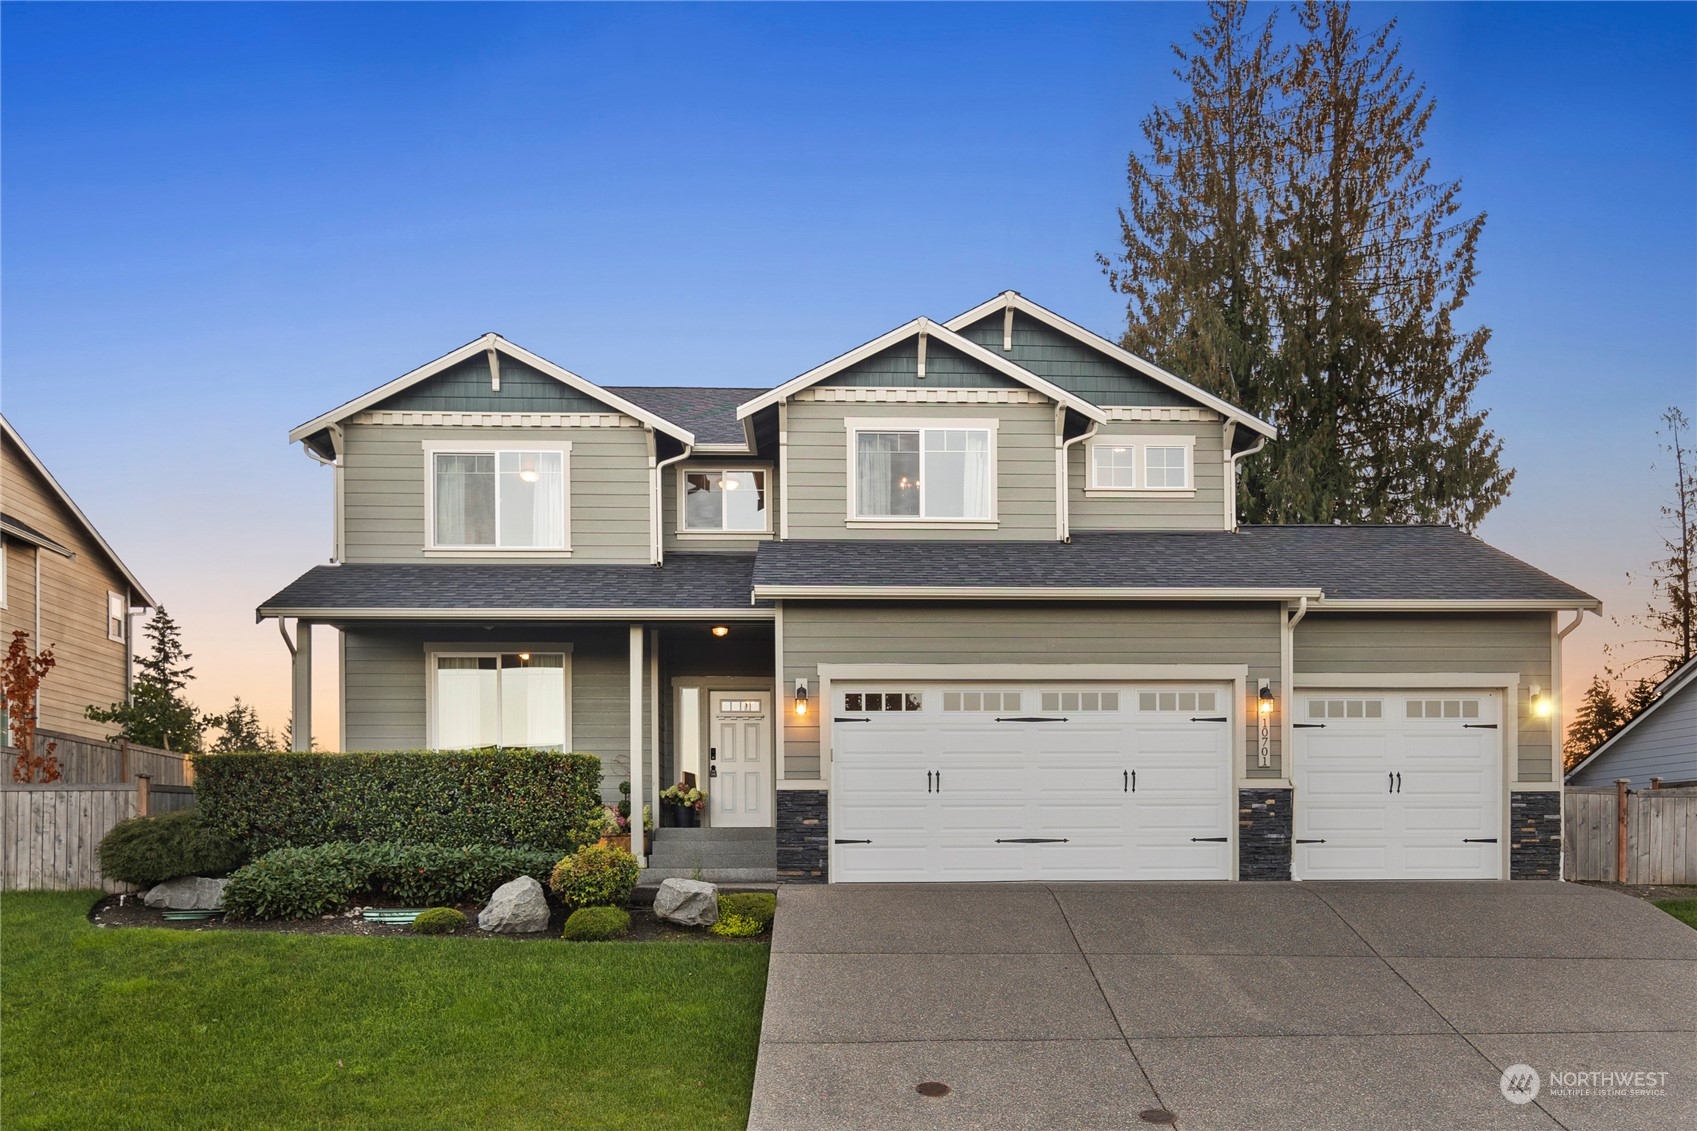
151 850
521 798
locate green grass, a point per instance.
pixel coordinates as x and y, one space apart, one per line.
132 1028
1685 910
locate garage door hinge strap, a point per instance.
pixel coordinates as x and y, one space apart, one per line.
1309 726
1478 726
851 720
1030 719
1211 719
1031 840
1478 840
1208 839
1322 840
841 841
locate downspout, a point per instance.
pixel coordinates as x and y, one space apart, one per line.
659 466
1259 444
335 465
1556 727
1063 473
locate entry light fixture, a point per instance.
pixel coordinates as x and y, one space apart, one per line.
524 657
1264 699
1541 705
801 698
721 630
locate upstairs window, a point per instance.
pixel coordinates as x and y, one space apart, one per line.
923 473
1140 464
506 499
725 499
1113 465
117 616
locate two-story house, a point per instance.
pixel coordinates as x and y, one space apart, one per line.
967 602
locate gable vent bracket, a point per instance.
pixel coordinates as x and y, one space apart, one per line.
1007 325
494 370
922 337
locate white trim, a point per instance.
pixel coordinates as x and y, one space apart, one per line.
854 425
1140 492
1027 592
493 552
433 448
76 513
1125 357
408 417
470 350
783 482
900 334
1460 605
858 394
1665 690
1161 414
723 535
780 716
653 732
711 685
1139 444
741 450
1396 680
434 648
684 469
897 523
633 746
545 613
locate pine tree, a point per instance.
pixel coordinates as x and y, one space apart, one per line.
1671 614
1320 287
1639 695
158 712
1598 716
242 731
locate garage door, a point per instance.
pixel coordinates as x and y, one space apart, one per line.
1398 785
970 781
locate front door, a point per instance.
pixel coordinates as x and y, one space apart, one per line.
739 752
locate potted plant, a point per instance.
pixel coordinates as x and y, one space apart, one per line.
684 802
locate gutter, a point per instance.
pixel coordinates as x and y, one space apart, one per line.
1063 478
658 496
1235 459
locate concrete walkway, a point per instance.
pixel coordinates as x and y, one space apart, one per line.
1311 1006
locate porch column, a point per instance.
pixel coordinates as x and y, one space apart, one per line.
301 674
635 746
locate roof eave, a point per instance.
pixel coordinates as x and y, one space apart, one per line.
1465 604
1033 593
624 613
1668 688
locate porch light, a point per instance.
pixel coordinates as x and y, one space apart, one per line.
1541 706
801 698
721 630
1264 699
524 657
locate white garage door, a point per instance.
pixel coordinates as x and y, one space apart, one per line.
965 781
1398 785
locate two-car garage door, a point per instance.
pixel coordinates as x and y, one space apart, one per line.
982 781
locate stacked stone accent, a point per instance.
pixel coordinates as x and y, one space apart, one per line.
1264 824
1534 835
803 832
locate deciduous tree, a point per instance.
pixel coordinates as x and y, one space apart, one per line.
21 673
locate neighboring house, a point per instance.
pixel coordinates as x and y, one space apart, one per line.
968 602
1659 742
63 584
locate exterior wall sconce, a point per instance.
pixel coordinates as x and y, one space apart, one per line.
1541 705
1264 731
801 698
721 630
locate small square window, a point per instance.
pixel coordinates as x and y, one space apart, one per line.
1051 700
1113 465
852 701
1166 467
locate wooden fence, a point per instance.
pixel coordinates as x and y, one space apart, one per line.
89 761
49 833
1661 835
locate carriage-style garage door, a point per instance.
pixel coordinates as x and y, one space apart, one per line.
982 781
1398 785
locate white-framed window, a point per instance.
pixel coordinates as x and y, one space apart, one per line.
715 500
489 497
117 616
1141 464
911 471
499 698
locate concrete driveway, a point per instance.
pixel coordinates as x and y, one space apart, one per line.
1296 1005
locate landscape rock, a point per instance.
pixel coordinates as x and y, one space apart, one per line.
188 893
692 903
518 907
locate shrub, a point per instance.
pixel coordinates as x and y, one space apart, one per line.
519 798
598 875
151 850
761 906
295 883
438 921
737 927
596 924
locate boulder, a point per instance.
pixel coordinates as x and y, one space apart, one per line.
518 907
187 893
690 902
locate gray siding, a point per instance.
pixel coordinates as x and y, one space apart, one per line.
1203 509
671 523
818 468
967 633
1663 745
898 367
383 483
1425 642
1071 364
465 388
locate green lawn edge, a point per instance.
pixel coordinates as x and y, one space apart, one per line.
1685 910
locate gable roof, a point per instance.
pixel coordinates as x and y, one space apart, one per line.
1665 691
943 334
710 413
490 341
1125 357
17 529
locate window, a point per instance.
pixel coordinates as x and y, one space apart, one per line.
982 701
1081 700
117 616
1443 708
1113 465
922 473
1166 468
724 499
1176 701
1152 464
502 499
503 699
884 701
1346 708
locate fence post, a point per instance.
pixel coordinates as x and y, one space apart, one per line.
123 759
1655 783
1620 829
144 796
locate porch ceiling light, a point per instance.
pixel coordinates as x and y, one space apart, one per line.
721 630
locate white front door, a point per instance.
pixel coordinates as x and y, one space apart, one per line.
739 751
1398 785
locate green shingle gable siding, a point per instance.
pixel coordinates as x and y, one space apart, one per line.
1072 365
465 388
898 368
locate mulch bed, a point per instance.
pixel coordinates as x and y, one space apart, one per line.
129 911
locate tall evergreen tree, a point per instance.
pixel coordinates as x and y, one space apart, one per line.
242 731
1639 695
1671 614
158 712
1319 286
1599 715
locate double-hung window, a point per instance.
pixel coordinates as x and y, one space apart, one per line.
724 500
117 616
920 472
1153 464
498 699
498 498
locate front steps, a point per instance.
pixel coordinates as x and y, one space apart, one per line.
720 856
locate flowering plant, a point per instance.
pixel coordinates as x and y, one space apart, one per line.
688 797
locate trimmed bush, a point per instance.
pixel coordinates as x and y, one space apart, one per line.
438 921
597 875
151 850
761 906
518 798
596 924
297 883
737 927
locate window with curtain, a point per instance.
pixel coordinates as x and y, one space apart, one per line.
725 499
923 473
513 500
506 699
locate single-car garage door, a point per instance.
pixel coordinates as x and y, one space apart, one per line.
981 781
1398 785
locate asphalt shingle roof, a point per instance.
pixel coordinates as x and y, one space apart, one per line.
1345 562
710 414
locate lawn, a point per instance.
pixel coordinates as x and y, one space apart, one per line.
1685 910
159 1028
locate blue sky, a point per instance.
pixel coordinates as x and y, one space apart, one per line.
220 220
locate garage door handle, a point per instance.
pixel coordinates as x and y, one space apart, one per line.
1478 840
1321 840
1399 781
1390 782
1208 839
927 781
1031 840
1478 726
1030 719
1211 719
841 841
